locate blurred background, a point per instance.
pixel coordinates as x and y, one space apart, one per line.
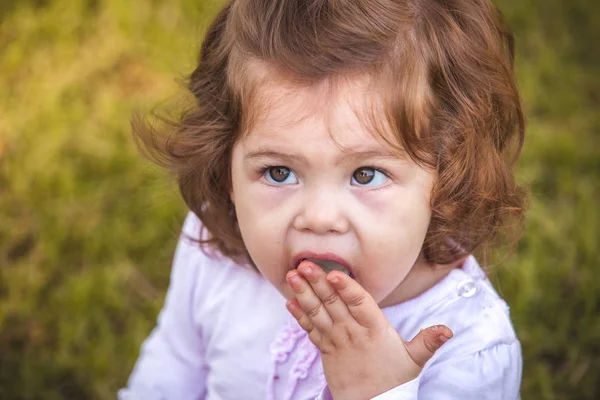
88 227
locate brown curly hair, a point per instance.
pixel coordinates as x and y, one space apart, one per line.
445 70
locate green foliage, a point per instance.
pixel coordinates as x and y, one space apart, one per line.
88 228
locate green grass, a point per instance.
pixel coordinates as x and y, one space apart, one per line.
88 228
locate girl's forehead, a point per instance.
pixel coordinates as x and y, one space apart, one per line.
345 108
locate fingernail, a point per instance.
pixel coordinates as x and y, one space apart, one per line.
447 332
334 280
293 309
293 278
305 268
444 338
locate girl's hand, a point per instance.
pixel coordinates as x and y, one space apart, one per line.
363 356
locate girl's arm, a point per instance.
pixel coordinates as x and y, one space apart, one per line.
171 363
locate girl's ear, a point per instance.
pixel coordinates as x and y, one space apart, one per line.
231 197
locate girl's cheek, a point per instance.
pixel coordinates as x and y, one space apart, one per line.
379 201
271 198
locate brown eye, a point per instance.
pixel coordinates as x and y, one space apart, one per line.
364 175
278 174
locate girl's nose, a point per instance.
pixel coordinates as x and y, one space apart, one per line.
322 213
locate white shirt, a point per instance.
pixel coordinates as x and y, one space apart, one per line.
224 333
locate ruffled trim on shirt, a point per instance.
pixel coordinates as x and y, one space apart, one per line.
291 336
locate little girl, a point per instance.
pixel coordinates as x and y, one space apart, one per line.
342 161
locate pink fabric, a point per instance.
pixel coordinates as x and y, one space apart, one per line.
290 337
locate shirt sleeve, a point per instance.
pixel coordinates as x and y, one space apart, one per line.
491 374
171 363
406 391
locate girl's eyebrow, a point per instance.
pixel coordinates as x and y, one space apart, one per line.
348 155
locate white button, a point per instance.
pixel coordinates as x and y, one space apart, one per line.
467 288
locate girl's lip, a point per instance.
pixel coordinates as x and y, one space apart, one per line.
321 256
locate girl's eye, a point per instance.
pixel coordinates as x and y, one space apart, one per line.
367 176
279 175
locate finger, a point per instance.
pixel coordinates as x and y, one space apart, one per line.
361 305
300 316
427 342
330 298
309 302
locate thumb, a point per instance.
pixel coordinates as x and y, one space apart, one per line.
427 342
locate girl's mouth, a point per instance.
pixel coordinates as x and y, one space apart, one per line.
330 265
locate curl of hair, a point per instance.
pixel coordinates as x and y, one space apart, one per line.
445 70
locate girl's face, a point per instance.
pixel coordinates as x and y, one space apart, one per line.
298 193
